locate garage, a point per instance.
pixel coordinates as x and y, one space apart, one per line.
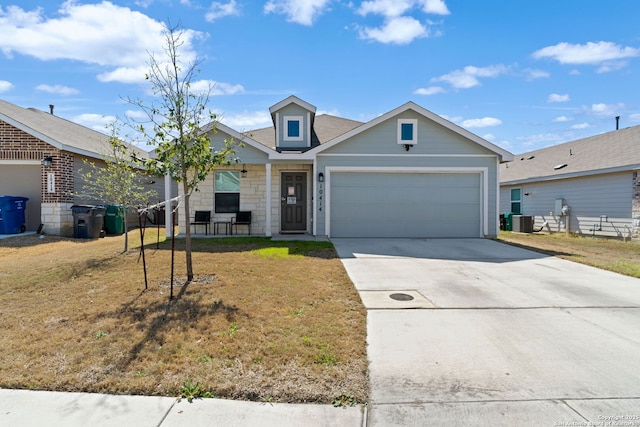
23 180
423 204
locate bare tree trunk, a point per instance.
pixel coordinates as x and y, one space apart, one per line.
187 233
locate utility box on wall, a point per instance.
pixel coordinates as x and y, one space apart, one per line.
558 207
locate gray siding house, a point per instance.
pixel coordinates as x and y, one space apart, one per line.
595 179
407 173
27 137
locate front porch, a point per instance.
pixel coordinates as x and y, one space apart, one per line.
279 197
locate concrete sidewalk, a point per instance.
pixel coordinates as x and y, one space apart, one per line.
56 409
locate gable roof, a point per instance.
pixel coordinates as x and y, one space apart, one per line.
504 155
292 100
614 151
326 128
58 132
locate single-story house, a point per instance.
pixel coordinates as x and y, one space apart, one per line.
406 173
595 179
28 137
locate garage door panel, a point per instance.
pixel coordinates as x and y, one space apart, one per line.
405 205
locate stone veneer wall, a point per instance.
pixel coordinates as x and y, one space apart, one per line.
635 209
18 145
252 193
252 198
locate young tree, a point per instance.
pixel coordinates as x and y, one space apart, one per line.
119 182
174 121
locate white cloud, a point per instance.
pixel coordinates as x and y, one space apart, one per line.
481 123
604 110
5 86
299 11
125 75
469 76
104 34
137 115
532 74
217 88
554 97
247 120
634 117
581 126
437 7
589 53
220 10
94 121
431 90
561 119
390 8
489 137
398 30
58 89
395 8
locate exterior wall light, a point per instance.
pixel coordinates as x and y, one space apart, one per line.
47 161
320 177
408 146
243 172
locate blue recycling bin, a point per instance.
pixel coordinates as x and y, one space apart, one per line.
12 214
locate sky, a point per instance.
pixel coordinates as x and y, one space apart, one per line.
524 75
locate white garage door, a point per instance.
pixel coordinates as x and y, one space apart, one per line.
405 204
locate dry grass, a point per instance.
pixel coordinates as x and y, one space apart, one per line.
270 321
608 254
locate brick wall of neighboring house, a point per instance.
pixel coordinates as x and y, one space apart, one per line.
635 210
56 200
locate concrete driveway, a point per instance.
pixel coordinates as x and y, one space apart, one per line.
475 332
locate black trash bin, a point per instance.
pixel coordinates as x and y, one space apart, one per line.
12 219
88 221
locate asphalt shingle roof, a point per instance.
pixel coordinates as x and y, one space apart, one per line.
619 149
58 131
326 128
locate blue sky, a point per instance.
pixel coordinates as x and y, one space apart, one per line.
522 74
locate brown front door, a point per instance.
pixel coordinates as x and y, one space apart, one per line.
293 199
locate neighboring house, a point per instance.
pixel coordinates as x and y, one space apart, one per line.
406 173
596 178
27 137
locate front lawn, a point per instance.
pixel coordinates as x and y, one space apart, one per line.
607 254
263 320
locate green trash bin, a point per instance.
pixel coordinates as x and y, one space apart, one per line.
508 221
114 219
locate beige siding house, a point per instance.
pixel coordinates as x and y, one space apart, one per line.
406 173
595 179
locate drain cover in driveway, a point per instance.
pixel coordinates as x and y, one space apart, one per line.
394 300
401 297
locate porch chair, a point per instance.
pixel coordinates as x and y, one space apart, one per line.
242 218
202 218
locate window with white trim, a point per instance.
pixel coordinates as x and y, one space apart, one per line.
408 131
227 192
293 128
516 201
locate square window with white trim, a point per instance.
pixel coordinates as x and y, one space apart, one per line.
293 128
408 131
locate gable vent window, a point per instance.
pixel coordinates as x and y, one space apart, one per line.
293 128
408 131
